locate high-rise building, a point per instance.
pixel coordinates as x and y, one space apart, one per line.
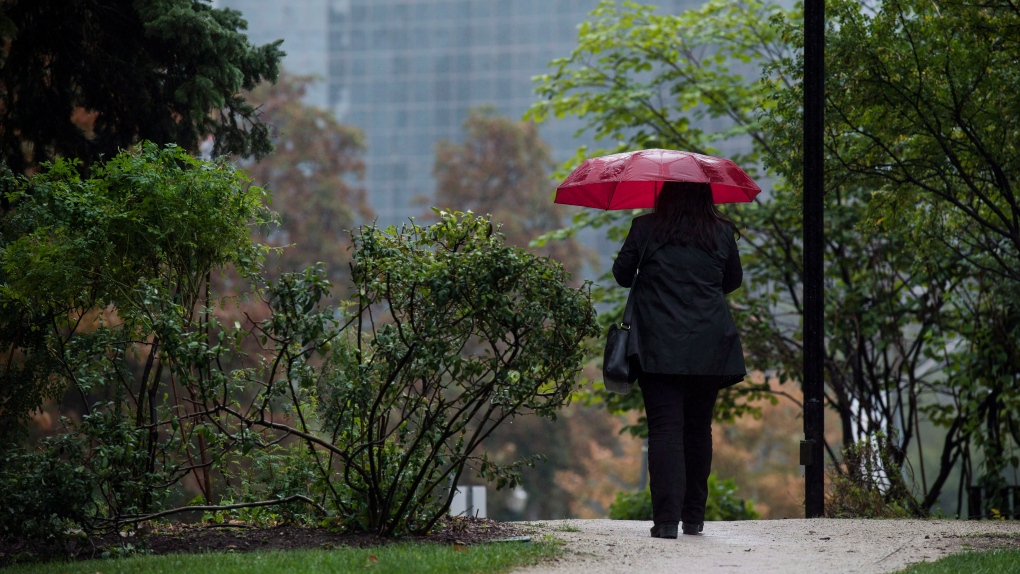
407 72
304 28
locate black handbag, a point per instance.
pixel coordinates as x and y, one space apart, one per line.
616 368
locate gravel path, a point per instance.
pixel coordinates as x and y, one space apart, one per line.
818 546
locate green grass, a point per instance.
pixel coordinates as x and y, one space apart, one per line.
989 562
396 558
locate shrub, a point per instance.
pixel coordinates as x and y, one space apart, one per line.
43 495
105 297
868 483
632 505
451 334
722 503
455 333
365 421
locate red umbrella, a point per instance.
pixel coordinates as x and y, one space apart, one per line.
632 180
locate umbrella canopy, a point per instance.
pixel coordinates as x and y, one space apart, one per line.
632 180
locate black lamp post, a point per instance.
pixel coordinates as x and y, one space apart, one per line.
811 454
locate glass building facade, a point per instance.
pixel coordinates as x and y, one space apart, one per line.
407 71
304 29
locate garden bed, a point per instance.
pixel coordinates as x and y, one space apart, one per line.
238 537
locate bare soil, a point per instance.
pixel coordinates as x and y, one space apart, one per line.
237 537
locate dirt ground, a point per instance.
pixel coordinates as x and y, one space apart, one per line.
194 538
818 546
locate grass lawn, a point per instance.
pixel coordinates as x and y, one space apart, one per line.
989 562
397 558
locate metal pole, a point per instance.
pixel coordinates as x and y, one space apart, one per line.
812 455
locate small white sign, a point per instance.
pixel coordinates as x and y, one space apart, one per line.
469 501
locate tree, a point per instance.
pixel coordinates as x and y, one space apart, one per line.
502 168
167 71
920 108
923 112
309 174
892 323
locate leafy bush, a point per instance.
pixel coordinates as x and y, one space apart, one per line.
364 417
868 483
453 333
105 294
43 495
276 472
722 503
632 505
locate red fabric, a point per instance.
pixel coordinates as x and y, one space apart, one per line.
632 180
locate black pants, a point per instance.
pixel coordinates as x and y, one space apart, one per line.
679 410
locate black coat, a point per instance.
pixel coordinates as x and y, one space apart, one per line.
681 323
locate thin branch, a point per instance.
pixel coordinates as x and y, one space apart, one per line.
214 508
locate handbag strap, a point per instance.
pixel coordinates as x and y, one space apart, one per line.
629 309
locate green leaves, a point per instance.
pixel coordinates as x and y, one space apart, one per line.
922 99
123 252
921 211
167 71
454 333
146 214
451 333
722 503
643 80
43 495
922 111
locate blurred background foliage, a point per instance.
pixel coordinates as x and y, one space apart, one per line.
314 174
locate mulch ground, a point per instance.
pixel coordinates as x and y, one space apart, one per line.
190 538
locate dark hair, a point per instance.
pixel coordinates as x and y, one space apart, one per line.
686 214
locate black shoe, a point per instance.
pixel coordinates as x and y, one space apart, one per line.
664 531
693 527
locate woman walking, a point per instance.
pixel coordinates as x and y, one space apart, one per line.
683 342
